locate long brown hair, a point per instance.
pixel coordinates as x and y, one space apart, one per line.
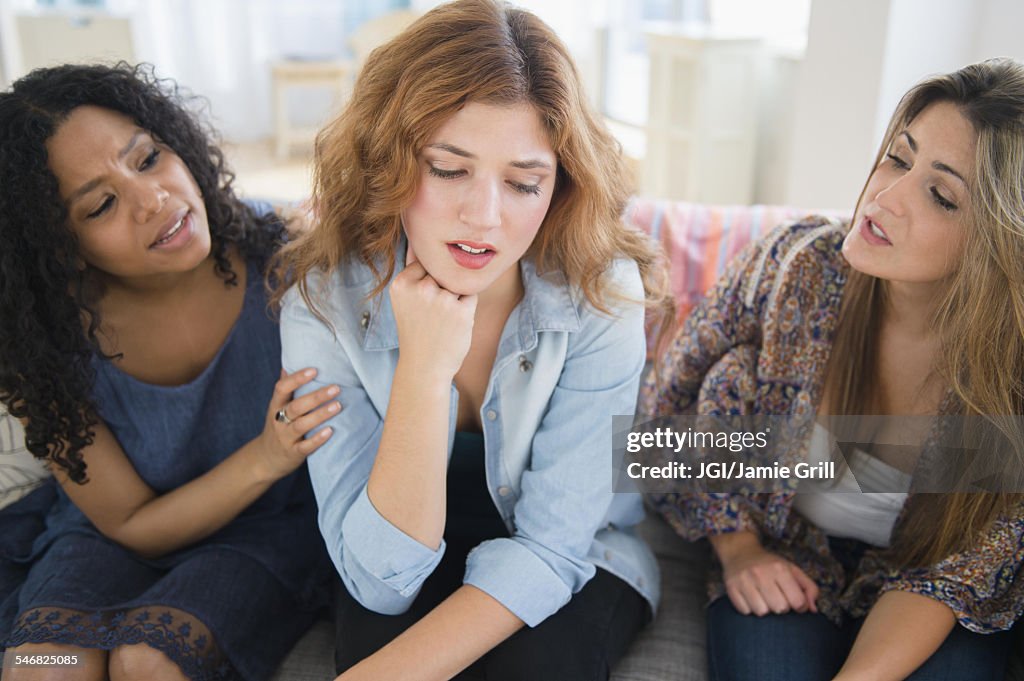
979 318
366 168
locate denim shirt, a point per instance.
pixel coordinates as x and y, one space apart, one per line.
561 371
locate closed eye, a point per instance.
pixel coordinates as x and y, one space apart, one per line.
150 160
445 174
107 202
942 201
898 162
525 188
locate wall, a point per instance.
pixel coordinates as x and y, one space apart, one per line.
861 57
999 30
925 37
836 103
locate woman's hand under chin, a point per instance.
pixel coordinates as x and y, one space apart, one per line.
435 326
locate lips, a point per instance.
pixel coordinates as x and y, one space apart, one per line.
471 254
472 247
171 228
873 233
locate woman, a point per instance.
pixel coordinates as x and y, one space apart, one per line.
473 290
137 351
907 311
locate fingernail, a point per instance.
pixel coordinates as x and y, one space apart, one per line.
333 406
309 372
333 390
325 432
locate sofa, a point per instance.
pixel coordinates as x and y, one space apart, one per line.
699 241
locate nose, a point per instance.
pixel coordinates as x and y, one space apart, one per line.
481 204
892 196
147 197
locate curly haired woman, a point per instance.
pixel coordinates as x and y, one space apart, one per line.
137 351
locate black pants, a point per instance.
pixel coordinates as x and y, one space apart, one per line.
580 642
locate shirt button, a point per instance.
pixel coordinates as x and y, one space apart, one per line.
524 364
503 491
364 321
491 414
607 555
640 582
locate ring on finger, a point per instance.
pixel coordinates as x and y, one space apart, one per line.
282 417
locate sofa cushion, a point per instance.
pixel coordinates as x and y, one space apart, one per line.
20 472
700 239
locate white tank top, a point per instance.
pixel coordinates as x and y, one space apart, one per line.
846 510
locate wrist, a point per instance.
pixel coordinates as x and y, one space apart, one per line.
258 461
426 376
728 545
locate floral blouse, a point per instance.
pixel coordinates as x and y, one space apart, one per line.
759 343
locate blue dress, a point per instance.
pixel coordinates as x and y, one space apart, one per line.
230 606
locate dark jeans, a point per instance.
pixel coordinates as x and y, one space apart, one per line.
807 647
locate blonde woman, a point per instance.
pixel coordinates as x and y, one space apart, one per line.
914 308
473 290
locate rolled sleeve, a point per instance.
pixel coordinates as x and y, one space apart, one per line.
518 578
980 585
382 565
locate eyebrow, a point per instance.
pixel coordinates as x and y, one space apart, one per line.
528 164
92 184
938 165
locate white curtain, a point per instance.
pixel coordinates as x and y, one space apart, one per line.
223 49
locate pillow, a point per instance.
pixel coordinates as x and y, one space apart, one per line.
20 472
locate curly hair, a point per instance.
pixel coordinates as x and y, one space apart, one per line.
47 301
366 169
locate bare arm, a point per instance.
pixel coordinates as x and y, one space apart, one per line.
900 633
407 483
448 639
124 508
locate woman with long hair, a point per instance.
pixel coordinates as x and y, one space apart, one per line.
914 308
137 350
473 289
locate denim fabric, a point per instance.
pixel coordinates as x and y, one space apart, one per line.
561 371
808 647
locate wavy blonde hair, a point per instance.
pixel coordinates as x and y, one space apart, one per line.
484 51
979 319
